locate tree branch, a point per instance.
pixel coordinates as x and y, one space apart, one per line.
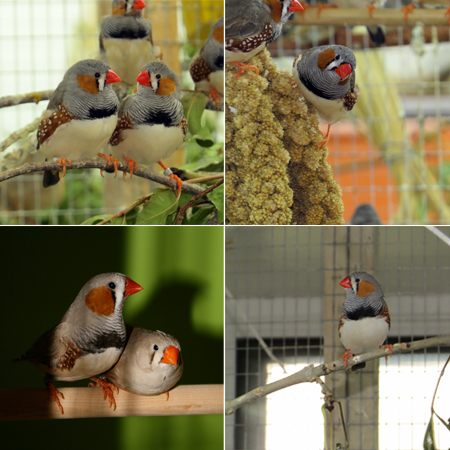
141 171
21 133
310 373
32 97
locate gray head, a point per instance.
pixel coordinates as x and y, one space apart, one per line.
158 78
129 7
365 214
213 51
328 71
364 295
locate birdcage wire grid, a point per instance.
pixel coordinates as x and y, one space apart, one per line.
285 283
39 40
392 150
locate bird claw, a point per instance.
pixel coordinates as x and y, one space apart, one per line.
172 177
115 162
54 394
389 347
214 95
408 9
346 356
371 9
131 165
62 165
244 67
107 388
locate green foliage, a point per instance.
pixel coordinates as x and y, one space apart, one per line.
429 441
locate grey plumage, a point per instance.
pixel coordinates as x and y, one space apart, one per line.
365 214
212 52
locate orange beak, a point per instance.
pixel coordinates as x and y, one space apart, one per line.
138 4
171 356
295 6
143 78
132 287
344 70
346 283
112 77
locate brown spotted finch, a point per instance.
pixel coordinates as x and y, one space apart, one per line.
365 320
206 68
151 123
126 39
326 77
89 338
151 363
251 25
80 117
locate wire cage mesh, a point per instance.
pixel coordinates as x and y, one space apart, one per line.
392 151
39 40
283 288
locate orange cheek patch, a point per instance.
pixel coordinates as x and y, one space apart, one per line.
218 34
100 301
166 86
88 83
325 58
365 288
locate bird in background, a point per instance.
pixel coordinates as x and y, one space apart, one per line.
365 214
326 77
206 68
80 117
89 339
365 319
126 39
151 363
151 123
250 26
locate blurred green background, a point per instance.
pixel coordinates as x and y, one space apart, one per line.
181 270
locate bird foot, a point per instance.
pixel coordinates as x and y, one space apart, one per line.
54 394
62 165
244 67
214 95
371 8
131 165
322 144
172 177
408 9
305 7
167 394
345 356
447 13
108 389
324 6
293 83
115 162
389 347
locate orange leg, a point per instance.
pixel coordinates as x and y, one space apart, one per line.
305 7
293 83
447 13
324 141
131 165
54 394
172 176
389 347
244 67
167 393
345 356
62 164
325 6
371 8
115 162
213 94
407 9
108 389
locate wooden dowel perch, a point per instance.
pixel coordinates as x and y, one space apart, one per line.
360 16
26 404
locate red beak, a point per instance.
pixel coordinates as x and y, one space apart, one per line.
346 283
138 4
171 356
344 70
295 6
111 77
143 78
132 287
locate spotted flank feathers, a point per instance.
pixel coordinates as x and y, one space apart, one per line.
49 125
250 43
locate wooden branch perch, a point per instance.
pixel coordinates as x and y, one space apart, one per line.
26 404
97 164
32 97
360 16
311 373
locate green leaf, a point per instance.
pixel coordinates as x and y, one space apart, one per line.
429 442
200 216
96 219
216 196
160 205
204 138
194 104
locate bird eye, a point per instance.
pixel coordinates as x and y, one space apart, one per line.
357 280
97 75
112 285
338 57
156 348
158 76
